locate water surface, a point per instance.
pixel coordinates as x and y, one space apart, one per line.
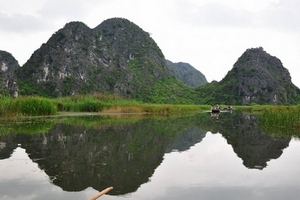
194 157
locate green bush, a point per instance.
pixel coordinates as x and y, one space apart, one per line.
35 106
90 106
31 106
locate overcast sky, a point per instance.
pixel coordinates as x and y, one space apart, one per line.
208 34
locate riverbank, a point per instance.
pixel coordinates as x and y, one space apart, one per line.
105 103
97 103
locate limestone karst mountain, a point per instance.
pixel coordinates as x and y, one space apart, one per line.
256 77
186 73
119 57
116 57
8 82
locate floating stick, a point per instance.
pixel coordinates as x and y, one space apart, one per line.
101 193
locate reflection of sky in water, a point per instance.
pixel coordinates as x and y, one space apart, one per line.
21 167
20 178
208 170
211 170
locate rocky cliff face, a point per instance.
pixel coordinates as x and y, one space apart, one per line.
117 56
262 78
256 77
186 73
8 82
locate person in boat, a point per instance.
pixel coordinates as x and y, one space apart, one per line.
228 107
215 108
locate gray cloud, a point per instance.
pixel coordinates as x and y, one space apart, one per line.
65 10
212 15
220 15
21 23
283 16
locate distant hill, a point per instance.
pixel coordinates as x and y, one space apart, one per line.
256 77
186 73
8 82
116 57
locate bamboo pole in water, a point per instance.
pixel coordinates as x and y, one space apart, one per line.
101 193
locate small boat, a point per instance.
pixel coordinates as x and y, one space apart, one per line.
215 110
229 108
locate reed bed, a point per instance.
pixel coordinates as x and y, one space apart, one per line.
26 106
91 103
104 103
108 103
174 109
281 119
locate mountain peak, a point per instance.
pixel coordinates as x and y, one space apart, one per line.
186 73
261 78
75 25
117 57
256 77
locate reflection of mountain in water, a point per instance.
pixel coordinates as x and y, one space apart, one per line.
6 151
76 158
186 139
253 146
125 155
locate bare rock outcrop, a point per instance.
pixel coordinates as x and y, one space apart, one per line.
8 82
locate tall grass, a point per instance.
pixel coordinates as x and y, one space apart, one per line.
109 103
174 109
105 103
26 106
91 103
281 119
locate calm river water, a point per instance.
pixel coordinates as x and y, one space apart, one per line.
197 157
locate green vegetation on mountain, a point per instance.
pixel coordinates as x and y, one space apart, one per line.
115 57
256 78
118 57
186 73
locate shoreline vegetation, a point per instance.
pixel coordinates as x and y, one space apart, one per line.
281 121
30 106
275 120
26 106
272 118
